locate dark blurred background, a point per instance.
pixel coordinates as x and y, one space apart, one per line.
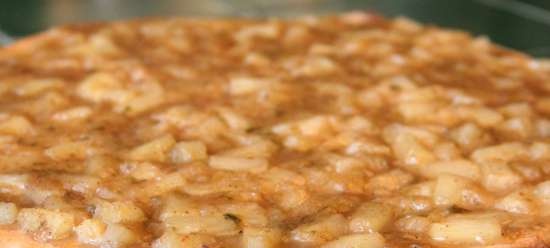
519 24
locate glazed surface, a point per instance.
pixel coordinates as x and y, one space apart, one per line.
344 131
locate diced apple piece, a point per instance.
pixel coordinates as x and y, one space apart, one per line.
46 224
466 231
498 177
184 152
155 150
371 240
118 236
260 237
8 213
91 231
231 163
516 202
118 212
447 191
463 168
321 230
169 240
371 217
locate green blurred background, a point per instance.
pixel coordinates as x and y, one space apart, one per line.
519 24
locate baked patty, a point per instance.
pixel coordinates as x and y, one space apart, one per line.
347 131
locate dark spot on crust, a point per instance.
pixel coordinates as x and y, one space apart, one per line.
232 217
